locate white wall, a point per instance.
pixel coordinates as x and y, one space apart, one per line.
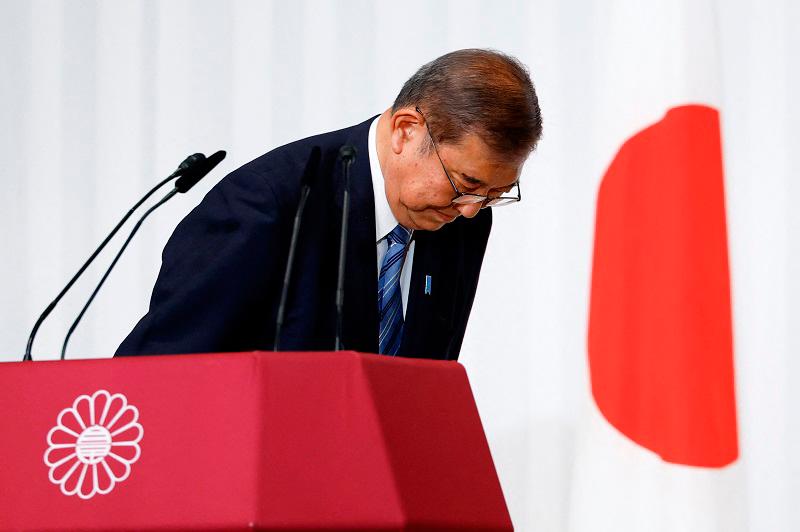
99 100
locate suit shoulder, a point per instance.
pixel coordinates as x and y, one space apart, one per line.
284 165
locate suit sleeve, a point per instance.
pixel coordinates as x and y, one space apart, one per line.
219 274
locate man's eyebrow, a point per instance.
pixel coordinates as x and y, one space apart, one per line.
473 180
478 183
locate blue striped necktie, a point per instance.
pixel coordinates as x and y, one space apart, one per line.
390 302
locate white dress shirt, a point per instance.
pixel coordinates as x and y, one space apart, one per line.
384 219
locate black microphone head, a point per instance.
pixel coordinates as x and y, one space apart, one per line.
191 161
312 165
188 163
347 153
198 172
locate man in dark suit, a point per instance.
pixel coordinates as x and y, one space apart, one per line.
453 143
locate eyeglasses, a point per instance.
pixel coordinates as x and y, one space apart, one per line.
467 198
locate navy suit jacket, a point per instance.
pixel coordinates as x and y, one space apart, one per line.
222 269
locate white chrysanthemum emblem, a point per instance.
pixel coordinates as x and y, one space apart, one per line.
93 444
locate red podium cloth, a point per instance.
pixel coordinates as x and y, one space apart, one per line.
270 441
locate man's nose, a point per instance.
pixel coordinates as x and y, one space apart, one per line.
468 210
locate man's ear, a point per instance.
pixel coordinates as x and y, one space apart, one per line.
405 123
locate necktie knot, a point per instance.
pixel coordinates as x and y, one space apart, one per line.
399 235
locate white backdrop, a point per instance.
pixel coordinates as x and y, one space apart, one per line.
99 100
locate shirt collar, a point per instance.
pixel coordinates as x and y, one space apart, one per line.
384 219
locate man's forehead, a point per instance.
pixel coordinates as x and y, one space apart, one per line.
483 173
478 165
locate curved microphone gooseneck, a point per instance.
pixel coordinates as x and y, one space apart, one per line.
306 181
186 166
182 185
348 155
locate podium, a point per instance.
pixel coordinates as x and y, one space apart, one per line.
236 441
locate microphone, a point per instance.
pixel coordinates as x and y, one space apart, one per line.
188 179
188 165
197 172
348 156
306 181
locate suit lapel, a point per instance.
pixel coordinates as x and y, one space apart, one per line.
429 316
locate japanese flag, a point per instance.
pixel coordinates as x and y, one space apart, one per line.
658 447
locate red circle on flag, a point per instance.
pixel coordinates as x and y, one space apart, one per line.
660 342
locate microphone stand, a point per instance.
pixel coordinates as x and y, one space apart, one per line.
113 263
348 155
184 167
308 176
183 184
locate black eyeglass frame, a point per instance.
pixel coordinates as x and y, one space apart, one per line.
468 197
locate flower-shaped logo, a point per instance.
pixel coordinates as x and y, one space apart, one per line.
93 444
